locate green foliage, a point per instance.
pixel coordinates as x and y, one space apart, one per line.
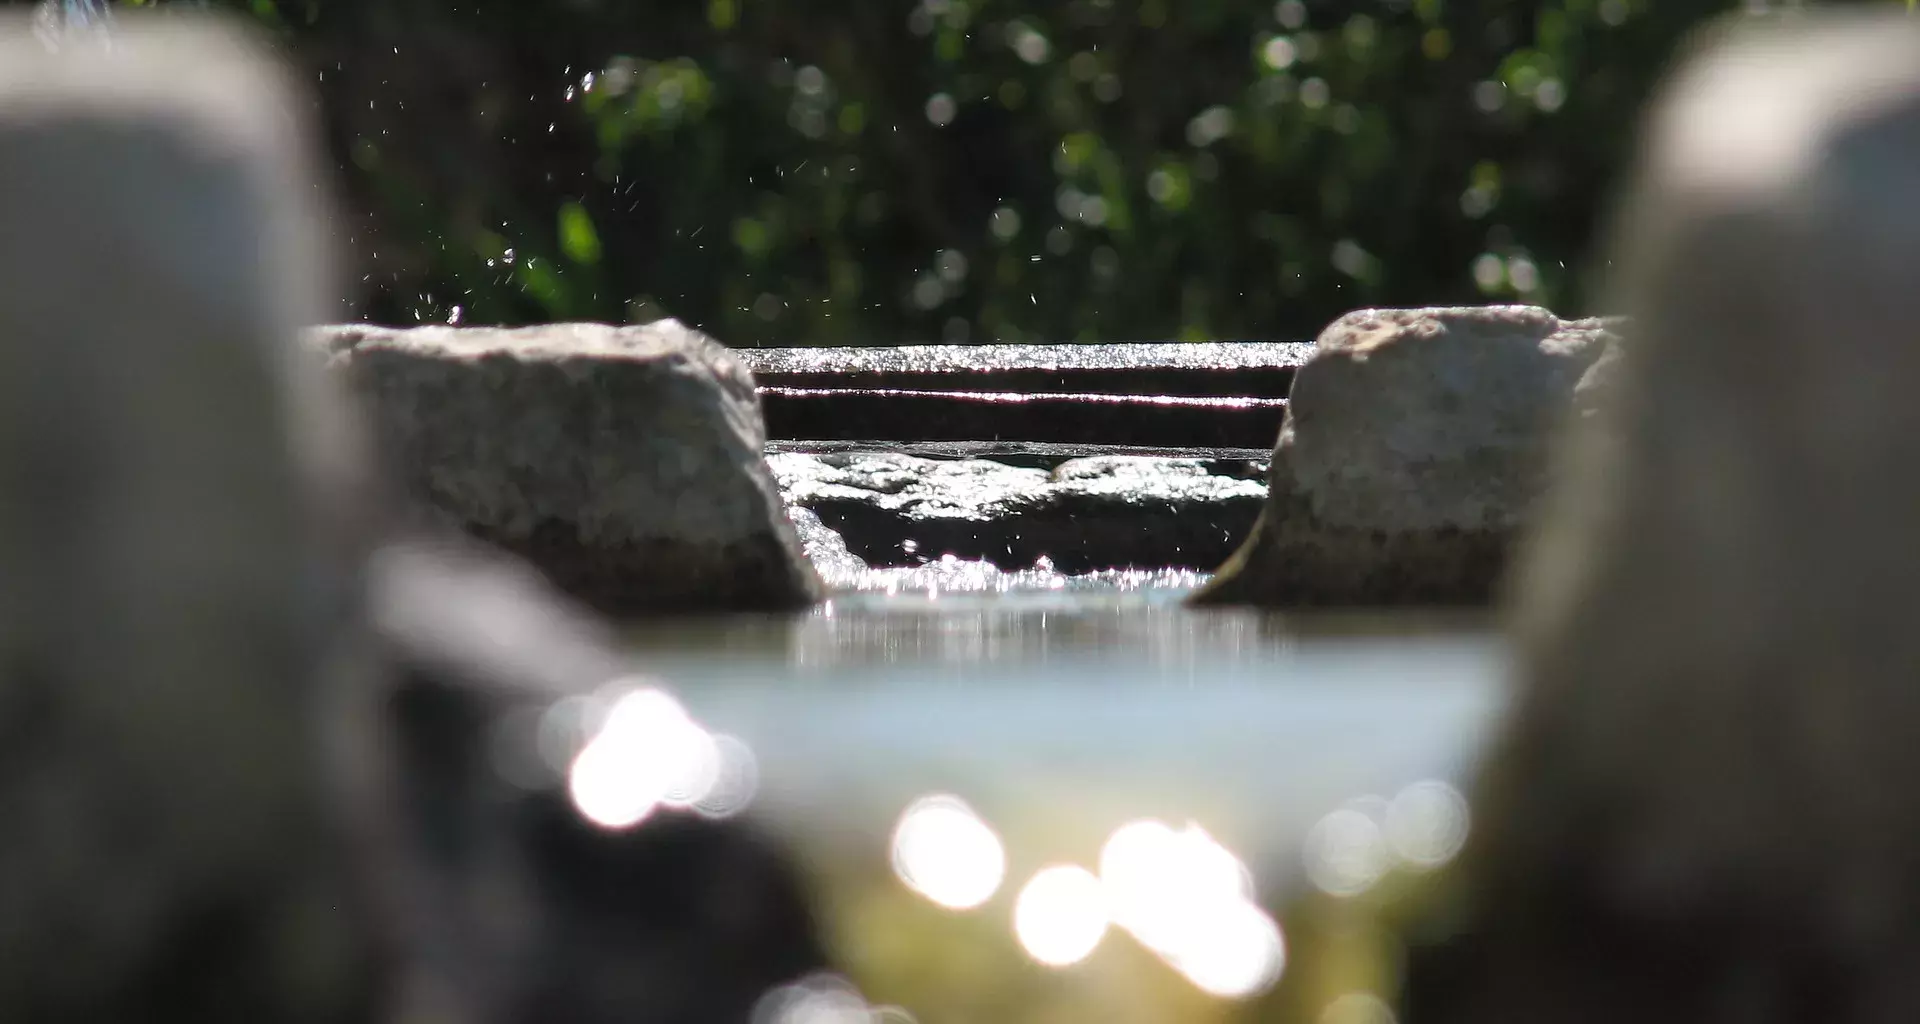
577 237
836 171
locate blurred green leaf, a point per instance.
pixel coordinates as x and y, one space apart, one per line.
577 238
1104 170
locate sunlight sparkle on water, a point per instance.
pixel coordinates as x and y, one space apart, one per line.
1427 823
734 784
948 574
1061 915
823 999
945 852
1424 826
1190 900
648 754
1347 853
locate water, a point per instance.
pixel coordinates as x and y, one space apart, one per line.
957 751
846 573
1071 713
61 22
983 771
1100 696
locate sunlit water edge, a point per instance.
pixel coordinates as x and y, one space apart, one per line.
1061 706
999 735
847 575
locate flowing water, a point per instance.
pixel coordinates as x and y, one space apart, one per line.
961 750
60 22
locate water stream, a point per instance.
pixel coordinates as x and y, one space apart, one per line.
1040 718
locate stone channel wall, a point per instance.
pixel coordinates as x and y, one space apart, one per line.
632 464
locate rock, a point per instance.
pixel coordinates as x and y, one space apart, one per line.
530 911
625 462
1414 447
252 760
1085 514
1701 807
173 609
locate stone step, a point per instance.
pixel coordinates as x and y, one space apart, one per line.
1254 369
1228 394
836 414
1250 463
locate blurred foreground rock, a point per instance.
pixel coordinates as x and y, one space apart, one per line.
1703 809
526 911
256 764
172 613
1414 448
625 462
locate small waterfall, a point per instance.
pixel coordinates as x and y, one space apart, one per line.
844 571
839 567
60 22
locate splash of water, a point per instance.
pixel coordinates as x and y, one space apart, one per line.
59 23
845 571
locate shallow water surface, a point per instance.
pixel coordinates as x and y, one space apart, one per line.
1070 711
962 756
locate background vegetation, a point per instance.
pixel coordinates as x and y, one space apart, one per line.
879 171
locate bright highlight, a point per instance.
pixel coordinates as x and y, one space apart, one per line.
649 753
1061 915
945 852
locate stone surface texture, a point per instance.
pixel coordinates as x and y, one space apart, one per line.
1701 808
1415 445
169 598
624 461
1084 514
974 360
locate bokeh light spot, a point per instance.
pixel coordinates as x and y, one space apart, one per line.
647 753
945 852
1346 852
1190 900
1358 1008
1427 823
1238 953
1061 915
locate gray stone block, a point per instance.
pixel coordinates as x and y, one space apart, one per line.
1414 448
1085 514
625 462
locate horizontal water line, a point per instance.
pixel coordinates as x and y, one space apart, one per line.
1021 397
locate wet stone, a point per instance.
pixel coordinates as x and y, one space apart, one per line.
625 462
1414 449
1701 807
1085 514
